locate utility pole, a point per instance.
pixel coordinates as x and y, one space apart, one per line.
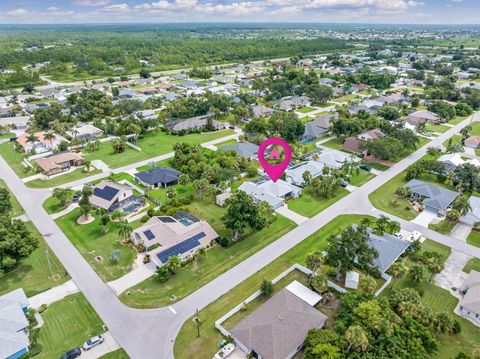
197 319
48 260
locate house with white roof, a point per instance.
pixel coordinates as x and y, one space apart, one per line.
14 341
335 159
294 175
453 160
472 216
274 193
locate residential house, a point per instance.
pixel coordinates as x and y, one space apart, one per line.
453 160
14 340
113 196
41 144
85 132
262 111
424 116
354 143
292 103
434 198
16 122
126 93
222 198
318 127
294 175
147 114
158 177
472 142
194 123
243 149
274 193
469 305
278 328
472 216
179 235
389 249
59 162
335 159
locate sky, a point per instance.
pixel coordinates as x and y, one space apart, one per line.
327 11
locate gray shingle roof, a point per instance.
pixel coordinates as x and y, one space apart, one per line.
435 197
163 175
389 248
244 149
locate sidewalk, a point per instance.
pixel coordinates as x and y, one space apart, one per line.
53 295
69 209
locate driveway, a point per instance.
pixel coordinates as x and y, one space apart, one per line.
109 345
424 218
461 231
453 275
293 216
53 295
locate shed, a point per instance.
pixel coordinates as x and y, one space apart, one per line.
304 293
352 280
221 198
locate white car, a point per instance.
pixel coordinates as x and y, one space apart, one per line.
93 342
415 236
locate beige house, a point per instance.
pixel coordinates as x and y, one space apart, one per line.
59 162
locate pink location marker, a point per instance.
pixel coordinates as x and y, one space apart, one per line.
274 171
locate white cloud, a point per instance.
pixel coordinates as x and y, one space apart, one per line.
116 8
167 5
53 8
17 12
90 2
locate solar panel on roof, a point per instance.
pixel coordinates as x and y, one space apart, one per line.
166 219
181 248
148 233
106 193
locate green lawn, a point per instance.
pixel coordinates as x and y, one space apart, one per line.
443 227
153 144
437 128
33 274
384 199
6 135
346 98
455 139
17 209
474 264
308 206
187 345
376 165
15 160
75 175
182 191
91 242
226 143
336 144
217 260
457 120
361 178
474 238
475 129
52 205
117 354
68 324
306 109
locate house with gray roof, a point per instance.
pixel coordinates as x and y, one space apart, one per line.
158 177
472 216
469 304
389 249
318 127
278 328
262 111
14 341
244 149
292 103
194 123
434 198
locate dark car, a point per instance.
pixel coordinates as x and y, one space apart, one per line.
75 198
11 139
365 168
72 353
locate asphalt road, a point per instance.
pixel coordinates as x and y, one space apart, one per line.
150 334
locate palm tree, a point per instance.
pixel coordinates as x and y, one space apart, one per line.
173 263
434 265
416 273
356 338
87 164
124 230
319 283
183 179
170 192
393 227
462 205
398 269
32 138
49 136
369 285
307 177
104 220
312 262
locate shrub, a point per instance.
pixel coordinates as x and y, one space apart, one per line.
224 242
266 288
42 308
163 274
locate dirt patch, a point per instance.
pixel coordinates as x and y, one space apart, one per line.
85 220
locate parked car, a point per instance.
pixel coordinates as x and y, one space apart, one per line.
13 139
365 168
344 184
398 235
75 198
93 342
72 353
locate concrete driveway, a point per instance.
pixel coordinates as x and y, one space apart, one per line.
461 231
109 345
453 275
424 218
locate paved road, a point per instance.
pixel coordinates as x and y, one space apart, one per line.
150 334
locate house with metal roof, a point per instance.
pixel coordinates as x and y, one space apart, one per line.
335 159
434 198
278 328
14 341
86 132
158 177
274 193
244 149
179 235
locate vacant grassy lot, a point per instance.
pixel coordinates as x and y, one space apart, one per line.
474 238
457 120
182 191
33 274
92 243
68 324
17 209
361 178
217 260
474 264
475 129
75 175
15 160
437 128
443 227
306 109
153 144
188 345
53 205
384 199
336 144
308 206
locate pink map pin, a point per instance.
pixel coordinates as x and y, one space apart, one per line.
274 171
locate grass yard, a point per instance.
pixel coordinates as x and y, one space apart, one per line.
226 143
6 135
376 165
308 206
346 98
75 175
474 238
17 209
475 129
455 139
384 199
91 242
33 273
15 160
188 345
306 109
217 260
474 264
444 227
68 324
437 128
153 144
335 143
182 191
457 120
361 178
117 354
